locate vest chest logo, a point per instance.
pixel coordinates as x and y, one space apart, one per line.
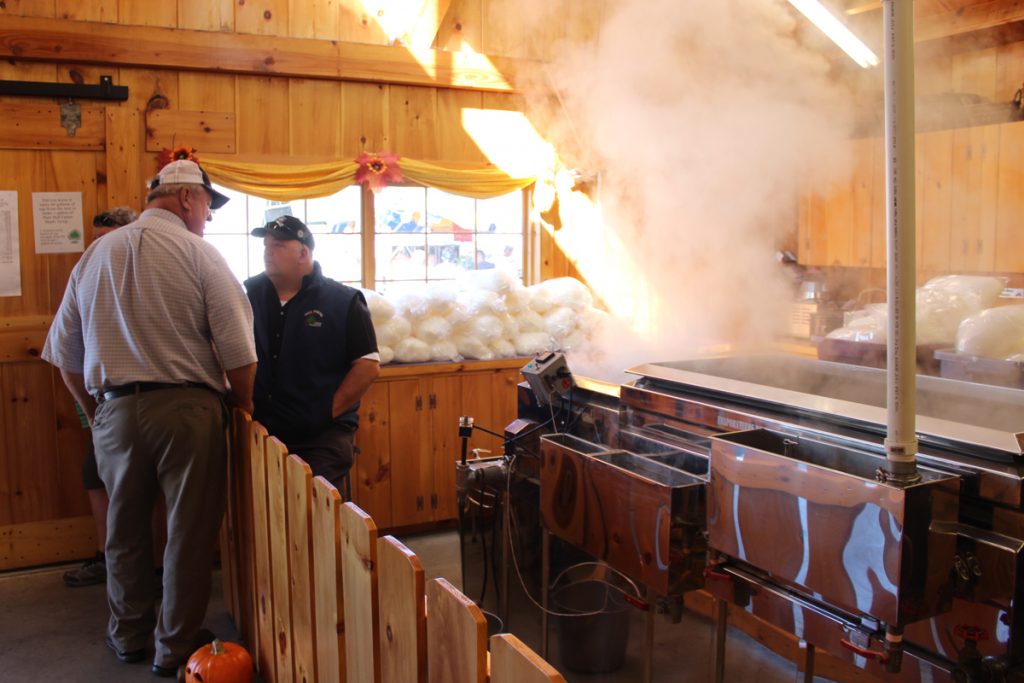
313 318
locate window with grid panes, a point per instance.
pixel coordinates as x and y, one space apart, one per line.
336 223
425 235
418 235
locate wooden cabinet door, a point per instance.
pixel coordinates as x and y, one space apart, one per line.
444 397
371 475
1009 240
477 402
412 471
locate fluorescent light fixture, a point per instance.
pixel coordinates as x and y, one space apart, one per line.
837 32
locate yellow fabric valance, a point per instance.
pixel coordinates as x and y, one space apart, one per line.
283 182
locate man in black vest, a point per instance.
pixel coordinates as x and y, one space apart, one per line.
317 351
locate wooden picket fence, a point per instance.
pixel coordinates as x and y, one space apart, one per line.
318 597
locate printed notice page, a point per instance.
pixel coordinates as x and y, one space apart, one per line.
10 252
58 221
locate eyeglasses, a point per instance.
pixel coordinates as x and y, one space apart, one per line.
104 221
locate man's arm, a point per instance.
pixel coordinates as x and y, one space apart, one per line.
241 381
75 382
359 378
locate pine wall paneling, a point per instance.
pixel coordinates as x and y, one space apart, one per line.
126 172
263 17
1009 255
461 26
315 117
207 15
451 136
210 131
94 10
314 19
135 13
412 121
364 118
33 472
357 24
31 8
860 210
934 200
262 115
975 200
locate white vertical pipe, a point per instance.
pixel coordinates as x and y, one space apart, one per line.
901 439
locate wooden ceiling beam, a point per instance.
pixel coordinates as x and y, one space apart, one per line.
64 41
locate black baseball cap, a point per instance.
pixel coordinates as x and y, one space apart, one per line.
286 228
189 172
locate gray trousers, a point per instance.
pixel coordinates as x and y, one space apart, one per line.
173 440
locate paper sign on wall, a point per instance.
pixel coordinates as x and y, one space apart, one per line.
58 222
10 251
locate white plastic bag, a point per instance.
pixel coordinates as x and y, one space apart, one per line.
473 348
530 321
380 308
444 350
392 331
560 322
412 350
480 302
441 299
387 354
503 348
486 328
411 305
532 343
432 329
568 291
497 280
993 333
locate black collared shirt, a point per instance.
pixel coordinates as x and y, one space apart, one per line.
305 348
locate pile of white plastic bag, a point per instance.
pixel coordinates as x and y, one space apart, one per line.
485 315
943 303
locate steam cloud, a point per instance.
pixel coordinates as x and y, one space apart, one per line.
704 120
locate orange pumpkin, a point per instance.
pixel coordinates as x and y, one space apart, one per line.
219 663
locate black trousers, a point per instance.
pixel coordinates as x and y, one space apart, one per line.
330 453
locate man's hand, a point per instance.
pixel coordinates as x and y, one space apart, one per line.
241 382
359 378
75 382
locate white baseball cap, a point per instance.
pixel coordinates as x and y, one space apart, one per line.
190 173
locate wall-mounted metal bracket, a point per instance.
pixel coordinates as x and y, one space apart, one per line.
71 117
106 90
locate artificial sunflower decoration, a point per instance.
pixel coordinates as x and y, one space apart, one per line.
184 153
378 170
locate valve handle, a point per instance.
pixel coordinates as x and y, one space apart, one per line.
636 602
712 573
863 651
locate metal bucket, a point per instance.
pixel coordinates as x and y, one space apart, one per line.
592 617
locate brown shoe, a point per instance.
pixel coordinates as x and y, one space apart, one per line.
92 572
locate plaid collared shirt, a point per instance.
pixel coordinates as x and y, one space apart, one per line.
151 302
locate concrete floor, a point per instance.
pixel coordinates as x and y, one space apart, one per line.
52 633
